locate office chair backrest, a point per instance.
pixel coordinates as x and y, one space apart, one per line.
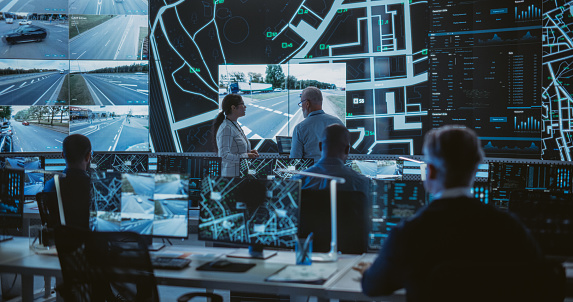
496 281
352 220
105 266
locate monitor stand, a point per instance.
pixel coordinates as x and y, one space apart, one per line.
252 252
152 246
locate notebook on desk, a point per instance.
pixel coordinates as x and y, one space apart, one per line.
311 274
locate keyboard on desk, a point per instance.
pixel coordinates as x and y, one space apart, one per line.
170 262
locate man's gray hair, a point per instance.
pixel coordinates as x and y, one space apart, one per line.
455 151
313 94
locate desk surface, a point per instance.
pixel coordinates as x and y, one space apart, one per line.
16 257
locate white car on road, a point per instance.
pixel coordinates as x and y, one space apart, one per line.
24 22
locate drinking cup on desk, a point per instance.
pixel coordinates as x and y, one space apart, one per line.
303 251
35 236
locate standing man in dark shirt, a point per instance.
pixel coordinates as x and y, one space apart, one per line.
453 227
77 151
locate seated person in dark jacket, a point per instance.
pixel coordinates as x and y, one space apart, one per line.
334 147
454 226
75 186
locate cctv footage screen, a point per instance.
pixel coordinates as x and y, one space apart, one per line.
377 169
249 211
33 178
171 197
73 67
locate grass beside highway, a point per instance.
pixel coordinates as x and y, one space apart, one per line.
142 49
80 94
264 96
64 92
86 22
339 102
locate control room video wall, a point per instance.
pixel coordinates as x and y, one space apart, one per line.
139 75
74 67
500 67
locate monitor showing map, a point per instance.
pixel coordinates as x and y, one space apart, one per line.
249 211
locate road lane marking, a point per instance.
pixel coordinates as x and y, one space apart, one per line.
127 28
276 111
2 92
109 149
119 135
81 54
127 85
23 84
56 82
107 42
9 6
278 103
59 141
268 109
32 82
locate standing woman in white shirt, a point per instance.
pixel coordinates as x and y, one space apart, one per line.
231 142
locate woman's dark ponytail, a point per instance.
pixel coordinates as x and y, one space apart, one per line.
228 101
216 124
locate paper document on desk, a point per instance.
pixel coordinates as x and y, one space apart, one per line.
315 273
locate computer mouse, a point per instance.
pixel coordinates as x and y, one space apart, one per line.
220 263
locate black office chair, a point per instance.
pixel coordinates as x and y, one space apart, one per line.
496 281
108 266
352 220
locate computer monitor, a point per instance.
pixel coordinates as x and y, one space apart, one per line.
120 162
149 204
284 144
291 164
11 200
256 168
195 167
33 179
507 177
377 169
255 212
171 197
393 201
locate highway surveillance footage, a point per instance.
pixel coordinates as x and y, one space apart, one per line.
147 204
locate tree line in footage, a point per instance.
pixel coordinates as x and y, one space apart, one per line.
274 75
41 114
9 71
123 69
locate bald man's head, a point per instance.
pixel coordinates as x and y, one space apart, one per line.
335 141
311 99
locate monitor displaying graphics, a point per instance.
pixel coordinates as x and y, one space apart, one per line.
55 164
148 204
11 198
195 167
259 168
33 180
393 201
171 197
284 144
105 214
137 204
507 177
119 162
291 164
249 211
377 169
272 93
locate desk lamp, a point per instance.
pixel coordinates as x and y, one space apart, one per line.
332 255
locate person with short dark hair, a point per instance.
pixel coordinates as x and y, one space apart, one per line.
307 134
77 151
334 146
229 139
453 227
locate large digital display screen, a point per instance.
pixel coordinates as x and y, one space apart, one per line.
73 67
498 67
